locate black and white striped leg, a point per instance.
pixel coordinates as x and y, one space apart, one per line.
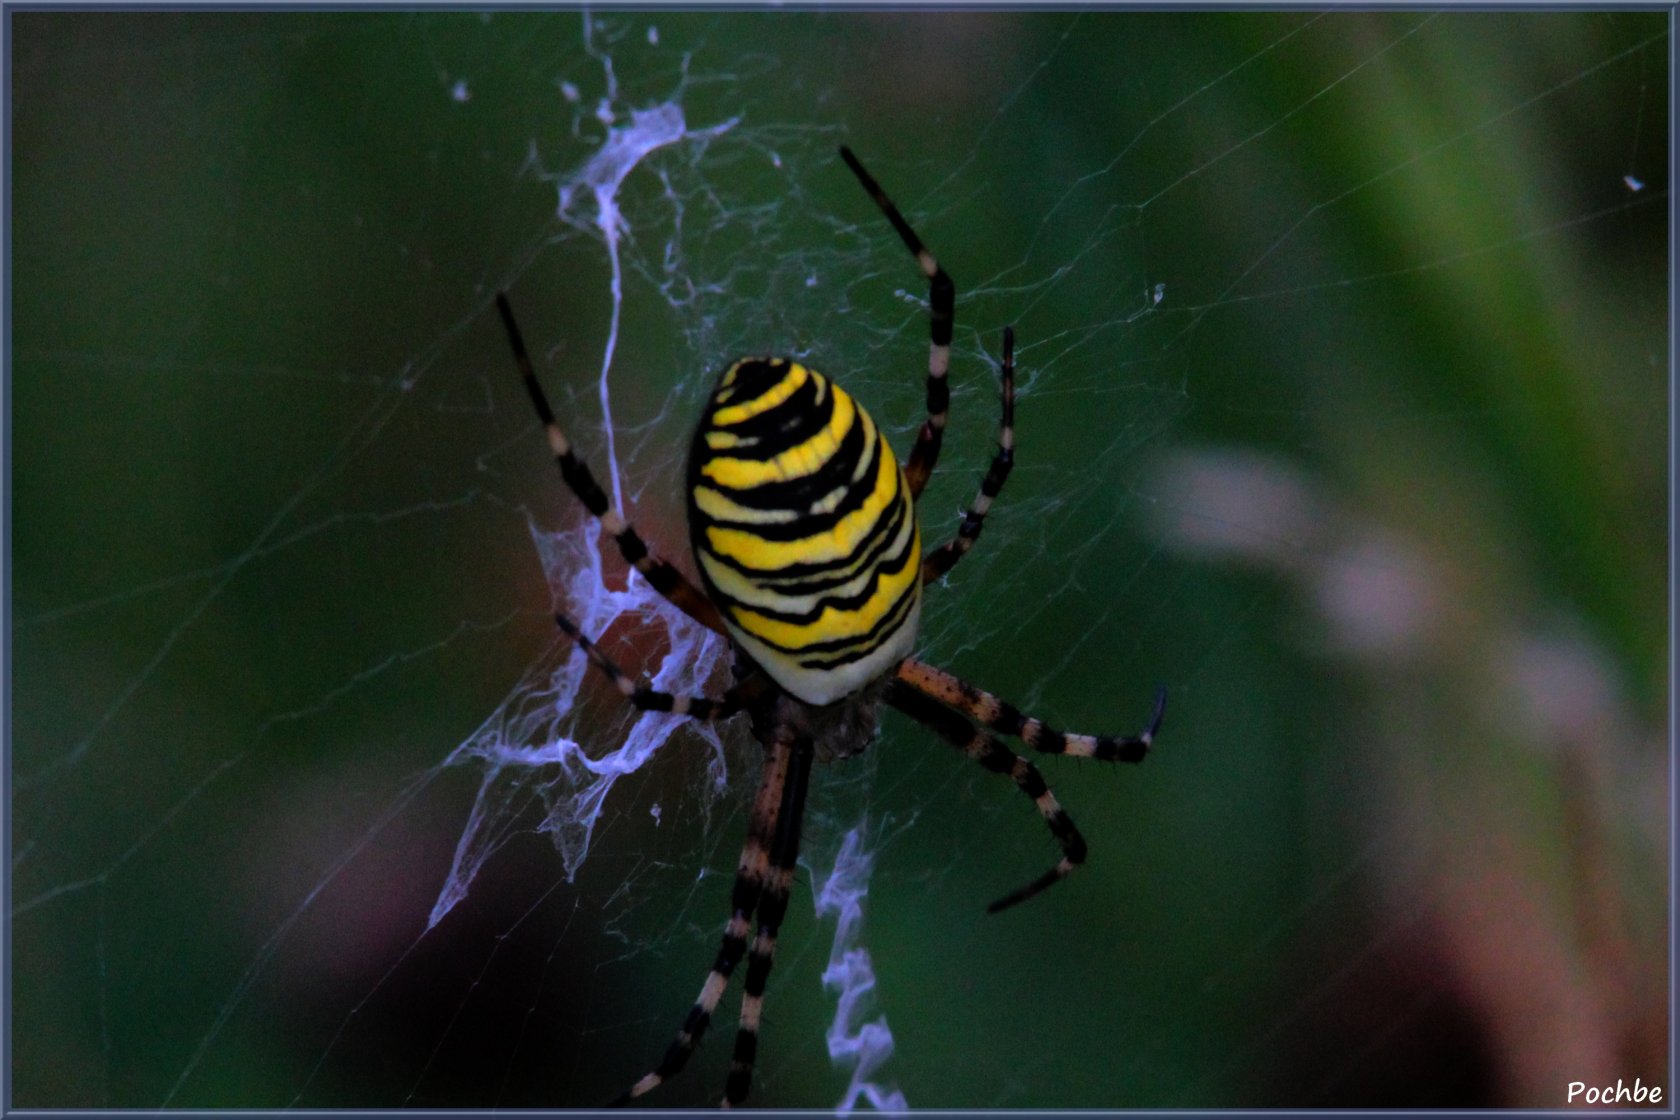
772 907
646 699
1003 717
763 832
660 574
984 748
945 557
942 300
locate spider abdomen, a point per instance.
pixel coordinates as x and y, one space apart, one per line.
803 529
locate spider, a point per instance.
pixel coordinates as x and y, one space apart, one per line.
803 528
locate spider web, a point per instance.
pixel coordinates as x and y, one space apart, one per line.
1343 345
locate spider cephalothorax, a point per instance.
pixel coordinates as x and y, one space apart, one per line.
804 530
836 731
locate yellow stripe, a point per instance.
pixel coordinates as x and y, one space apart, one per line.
746 592
829 502
834 625
719 441
796 462
837 543
772 397
720 508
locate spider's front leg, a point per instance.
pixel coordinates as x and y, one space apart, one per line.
660 573
645 699
945 557
942 303
942 299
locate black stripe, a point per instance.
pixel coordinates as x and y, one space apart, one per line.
695 1025
928 712
848 650
1009 719
923 454
994 757
848 603
686 1042
758 964
872 550
957 731
743 898
800 500
664 578
938 394
1073 844
942 299
784 851
816 575
583 484
1030 781
911 241
753 378
784 425
877 556
995 476
1037 886
1050 741
799 493
631 545
1120 750
516 342
740 1070
734 948
804 523
856 649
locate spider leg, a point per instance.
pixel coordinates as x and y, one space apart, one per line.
764 831
942 300
999 715
944 558
772 907
646 699
660 574
983 748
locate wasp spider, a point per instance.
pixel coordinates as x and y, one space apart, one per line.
803 527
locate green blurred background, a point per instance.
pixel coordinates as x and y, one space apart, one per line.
1377 489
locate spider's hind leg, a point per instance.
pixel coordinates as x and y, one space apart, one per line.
763 876
772 907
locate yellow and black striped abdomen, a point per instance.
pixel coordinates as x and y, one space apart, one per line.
803 529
